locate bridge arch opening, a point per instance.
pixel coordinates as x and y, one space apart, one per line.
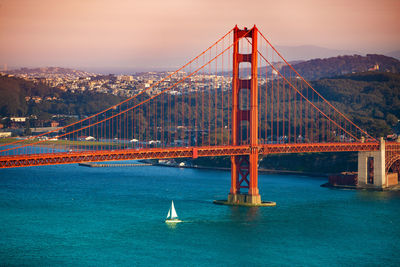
245 70
394 169
245 45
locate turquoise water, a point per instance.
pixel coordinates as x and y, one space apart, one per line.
69 215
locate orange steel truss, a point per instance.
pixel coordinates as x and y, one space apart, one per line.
318 147
180 152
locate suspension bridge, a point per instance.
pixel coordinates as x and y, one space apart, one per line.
238 98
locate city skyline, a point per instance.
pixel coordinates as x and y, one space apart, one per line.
133 35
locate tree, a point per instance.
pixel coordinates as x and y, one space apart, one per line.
391 119
27 130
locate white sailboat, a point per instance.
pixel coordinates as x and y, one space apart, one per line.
172 216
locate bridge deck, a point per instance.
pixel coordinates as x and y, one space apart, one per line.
176 152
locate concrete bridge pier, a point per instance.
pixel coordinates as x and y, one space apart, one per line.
371 168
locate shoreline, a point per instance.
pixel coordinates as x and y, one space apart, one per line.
366 188
103 165
149 163
260 170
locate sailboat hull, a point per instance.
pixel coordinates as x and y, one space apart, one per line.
173 221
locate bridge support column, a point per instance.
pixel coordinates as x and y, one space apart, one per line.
244 168
371 167
244 173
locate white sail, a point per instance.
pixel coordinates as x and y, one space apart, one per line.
169 213
173 211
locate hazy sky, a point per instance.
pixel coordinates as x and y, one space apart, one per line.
132 34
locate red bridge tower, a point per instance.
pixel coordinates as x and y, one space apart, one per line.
244 173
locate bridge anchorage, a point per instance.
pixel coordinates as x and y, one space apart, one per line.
379 169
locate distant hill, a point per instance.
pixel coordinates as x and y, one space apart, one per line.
46 71
319 68
315 69
307 52
395 54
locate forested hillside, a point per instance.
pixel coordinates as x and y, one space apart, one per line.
19 97
371 99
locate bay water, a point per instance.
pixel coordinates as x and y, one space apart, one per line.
68 215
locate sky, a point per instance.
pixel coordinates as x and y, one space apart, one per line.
116 35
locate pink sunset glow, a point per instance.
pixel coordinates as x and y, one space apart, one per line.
126 34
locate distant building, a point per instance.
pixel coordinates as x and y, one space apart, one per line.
126 78
54 124
5 134
18 119
374 68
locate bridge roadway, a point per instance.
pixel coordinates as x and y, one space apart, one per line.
176 152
